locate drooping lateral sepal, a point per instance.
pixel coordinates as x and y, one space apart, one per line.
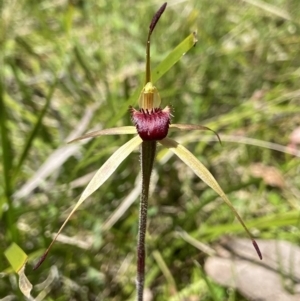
204 174
151 124
100 177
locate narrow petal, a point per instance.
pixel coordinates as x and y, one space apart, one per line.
203 173
99 178
109 167
112 131
193 127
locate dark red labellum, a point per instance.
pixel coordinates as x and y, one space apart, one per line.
152 124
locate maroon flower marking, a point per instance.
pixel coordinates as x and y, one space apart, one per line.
151 124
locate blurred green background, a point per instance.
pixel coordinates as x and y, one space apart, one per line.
68 67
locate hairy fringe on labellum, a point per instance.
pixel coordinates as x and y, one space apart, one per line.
151 124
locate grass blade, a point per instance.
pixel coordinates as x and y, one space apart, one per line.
35 130
6 147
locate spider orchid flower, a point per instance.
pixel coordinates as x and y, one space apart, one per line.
151 126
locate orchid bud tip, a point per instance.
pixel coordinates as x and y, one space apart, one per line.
156 17
257 249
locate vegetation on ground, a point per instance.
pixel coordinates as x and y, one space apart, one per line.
68 67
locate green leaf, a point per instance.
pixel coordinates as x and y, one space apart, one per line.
174 56
99 178
15 256
17 259
203 173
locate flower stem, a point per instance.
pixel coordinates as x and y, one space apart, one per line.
148 149
154 21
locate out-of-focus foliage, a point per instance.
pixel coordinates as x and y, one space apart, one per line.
64 60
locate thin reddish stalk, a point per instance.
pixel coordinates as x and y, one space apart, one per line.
153 23
148 149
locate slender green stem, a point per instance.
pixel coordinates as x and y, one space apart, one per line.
148 67
147 158
7 159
